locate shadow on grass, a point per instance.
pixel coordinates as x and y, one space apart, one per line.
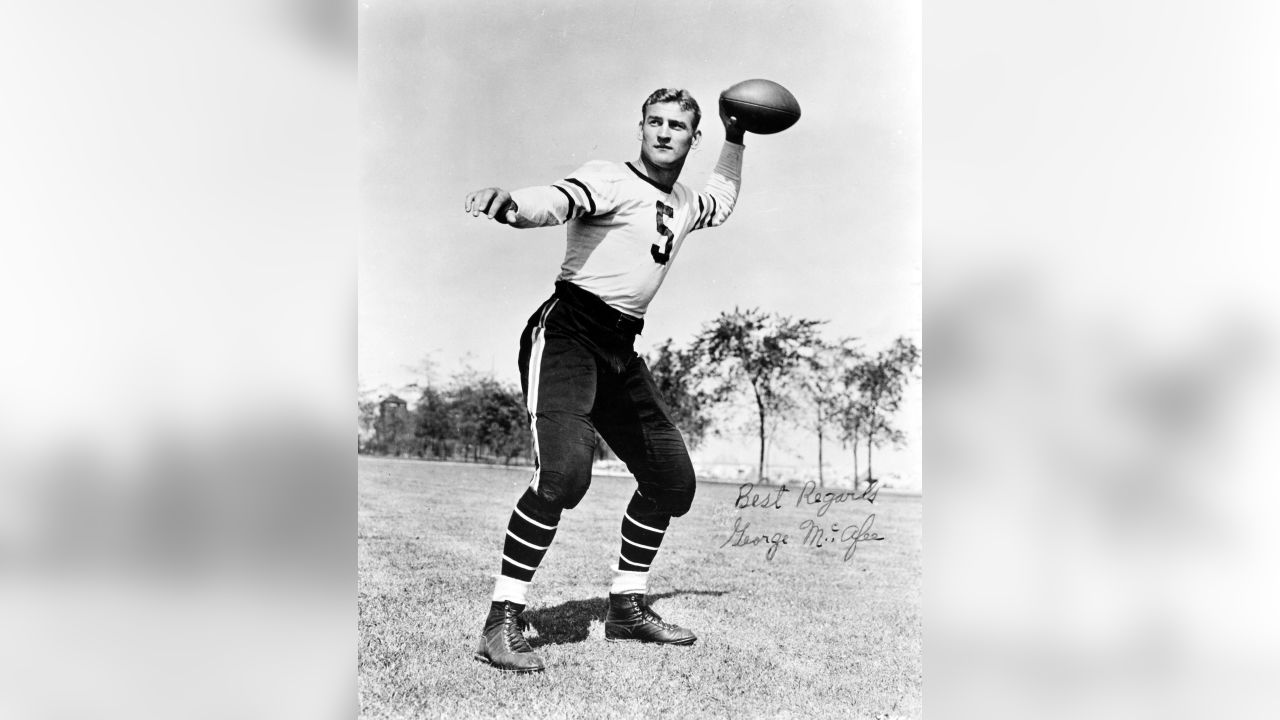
570 622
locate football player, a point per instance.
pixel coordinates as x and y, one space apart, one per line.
626 223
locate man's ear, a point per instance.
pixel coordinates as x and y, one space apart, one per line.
697 137
640 131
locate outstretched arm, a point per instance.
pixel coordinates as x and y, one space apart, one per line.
524 208
717 199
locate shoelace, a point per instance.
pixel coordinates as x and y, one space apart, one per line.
515 633
647 613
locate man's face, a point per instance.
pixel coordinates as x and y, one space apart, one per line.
667 135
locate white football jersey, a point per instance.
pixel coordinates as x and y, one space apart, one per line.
625 230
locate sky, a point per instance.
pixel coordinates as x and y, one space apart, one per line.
455 97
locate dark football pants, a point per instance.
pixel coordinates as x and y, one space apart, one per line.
580 374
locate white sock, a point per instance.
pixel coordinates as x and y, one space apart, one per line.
626 582
510 589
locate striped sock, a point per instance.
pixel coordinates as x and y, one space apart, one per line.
643 527
529 533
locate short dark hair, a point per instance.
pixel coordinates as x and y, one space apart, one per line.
675 95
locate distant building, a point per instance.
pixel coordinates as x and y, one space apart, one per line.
390 405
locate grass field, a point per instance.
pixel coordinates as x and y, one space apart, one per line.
806 634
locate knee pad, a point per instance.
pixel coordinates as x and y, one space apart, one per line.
673 498
538 508
676 503
562 490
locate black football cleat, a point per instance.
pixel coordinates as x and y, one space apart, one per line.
630 619
503 645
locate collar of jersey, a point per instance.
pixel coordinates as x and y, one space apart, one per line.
664 188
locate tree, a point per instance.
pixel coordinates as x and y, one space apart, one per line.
823 381
676 373
488 415
504 421
435 425
852 421
880 382
366 417
762 350
465 402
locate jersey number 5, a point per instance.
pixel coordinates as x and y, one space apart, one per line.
661 256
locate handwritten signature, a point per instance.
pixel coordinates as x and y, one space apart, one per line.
740 538
851 535
814 536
